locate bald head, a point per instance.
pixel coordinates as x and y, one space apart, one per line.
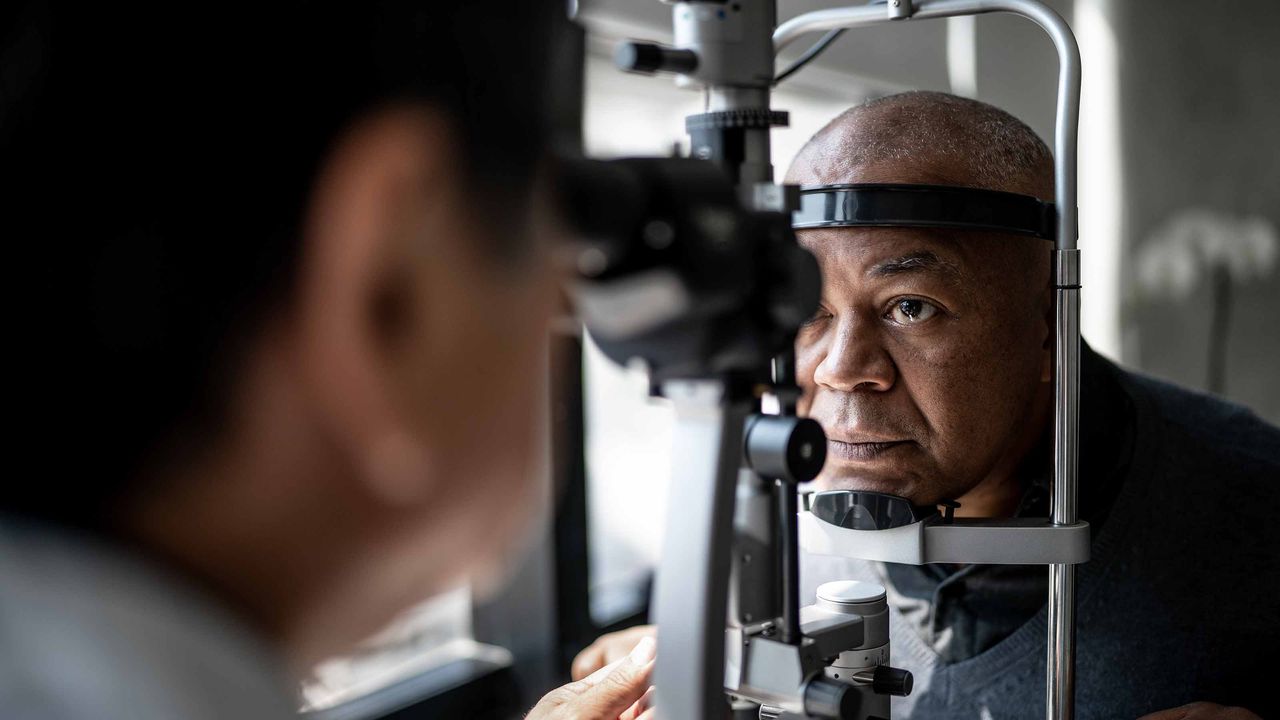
927 137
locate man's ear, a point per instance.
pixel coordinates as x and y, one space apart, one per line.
384 185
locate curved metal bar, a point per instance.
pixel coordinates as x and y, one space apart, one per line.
823 20
1060 690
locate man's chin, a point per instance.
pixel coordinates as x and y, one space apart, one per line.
906 488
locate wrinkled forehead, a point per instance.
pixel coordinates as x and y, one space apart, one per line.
995 267
857 252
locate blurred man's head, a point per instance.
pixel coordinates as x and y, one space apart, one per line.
928 361
282 290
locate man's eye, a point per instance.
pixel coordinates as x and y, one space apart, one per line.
910 311
818 316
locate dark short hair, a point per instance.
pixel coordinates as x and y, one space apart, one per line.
154 167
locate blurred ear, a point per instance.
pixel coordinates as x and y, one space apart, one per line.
383 193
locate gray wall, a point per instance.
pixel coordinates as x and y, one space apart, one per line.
1200 127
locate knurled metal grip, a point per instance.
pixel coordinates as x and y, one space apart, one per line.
747 118
1066 269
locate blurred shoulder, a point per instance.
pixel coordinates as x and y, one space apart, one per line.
89 630
1198 431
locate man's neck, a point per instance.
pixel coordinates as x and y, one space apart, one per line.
995 497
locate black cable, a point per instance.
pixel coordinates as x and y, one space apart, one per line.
809 54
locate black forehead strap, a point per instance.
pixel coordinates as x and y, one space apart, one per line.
930 206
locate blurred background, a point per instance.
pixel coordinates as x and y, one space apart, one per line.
1179 209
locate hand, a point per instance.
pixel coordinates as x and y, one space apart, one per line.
617 691
1202 711
608 649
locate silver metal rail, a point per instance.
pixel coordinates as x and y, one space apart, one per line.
692 585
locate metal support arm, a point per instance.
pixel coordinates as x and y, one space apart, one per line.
691 588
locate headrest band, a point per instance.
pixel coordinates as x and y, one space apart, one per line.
930 206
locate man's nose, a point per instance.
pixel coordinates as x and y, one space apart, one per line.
856 359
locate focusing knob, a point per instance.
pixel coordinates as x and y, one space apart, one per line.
892 681
785 448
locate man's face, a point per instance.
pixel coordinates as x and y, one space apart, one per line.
924 359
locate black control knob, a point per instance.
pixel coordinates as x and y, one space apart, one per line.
649 58
831 699
892 681
785 448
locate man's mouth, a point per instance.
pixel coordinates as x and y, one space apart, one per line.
861 451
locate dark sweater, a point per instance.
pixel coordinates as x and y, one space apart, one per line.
961 611
1181 599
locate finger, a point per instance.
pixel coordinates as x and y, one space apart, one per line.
622 687
637 709
1202 711
1210 711
600 673
568 695
649 714
630 637
588 661
572 692
1179 713
639 632
609 648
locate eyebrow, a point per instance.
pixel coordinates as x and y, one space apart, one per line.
916 262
